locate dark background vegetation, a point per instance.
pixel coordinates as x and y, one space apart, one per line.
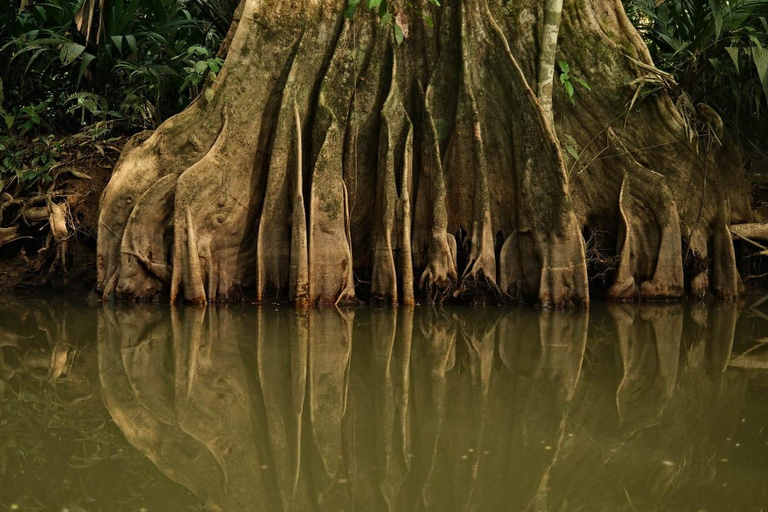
103 67
717 51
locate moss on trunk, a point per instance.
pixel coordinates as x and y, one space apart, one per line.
329 156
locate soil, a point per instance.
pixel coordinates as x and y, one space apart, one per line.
27 266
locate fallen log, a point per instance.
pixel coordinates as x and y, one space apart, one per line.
8 235
751 231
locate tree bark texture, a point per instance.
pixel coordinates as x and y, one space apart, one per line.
329 157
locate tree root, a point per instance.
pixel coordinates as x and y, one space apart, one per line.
328 150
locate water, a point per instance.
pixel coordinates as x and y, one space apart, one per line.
239 408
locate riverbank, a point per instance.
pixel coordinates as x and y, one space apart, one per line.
49 212
48 228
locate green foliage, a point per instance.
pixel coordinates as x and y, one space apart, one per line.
567 80
391 15
32 164
131 68
717 50
25 163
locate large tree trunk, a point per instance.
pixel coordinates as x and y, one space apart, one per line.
329 156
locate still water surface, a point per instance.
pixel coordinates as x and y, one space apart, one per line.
238 408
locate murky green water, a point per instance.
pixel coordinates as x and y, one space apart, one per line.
239 408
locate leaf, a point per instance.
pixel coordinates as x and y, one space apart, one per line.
373 4
564 67
760 58
717 16
582 83
201 67
568 88
87 59
209 94
34 58
399 36
118 41
70 52
131 40
733 51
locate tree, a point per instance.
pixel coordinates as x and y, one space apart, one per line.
326 154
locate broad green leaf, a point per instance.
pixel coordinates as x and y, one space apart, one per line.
87 59
733 51
568 89
760 58
399 36
131 40
118 41
70 52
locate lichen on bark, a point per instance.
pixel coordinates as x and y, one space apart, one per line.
332 164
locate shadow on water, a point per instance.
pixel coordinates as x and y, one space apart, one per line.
624 407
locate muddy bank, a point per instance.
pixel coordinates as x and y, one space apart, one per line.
35 262
48 228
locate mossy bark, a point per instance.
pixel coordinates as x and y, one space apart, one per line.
330 157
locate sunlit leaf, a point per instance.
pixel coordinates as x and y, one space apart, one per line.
734 53
70 52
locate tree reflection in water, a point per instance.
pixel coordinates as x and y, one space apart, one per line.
622 408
